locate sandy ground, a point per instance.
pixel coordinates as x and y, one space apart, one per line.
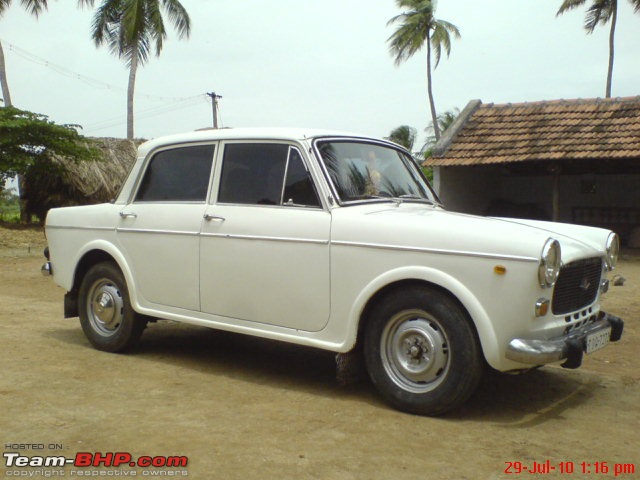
243 408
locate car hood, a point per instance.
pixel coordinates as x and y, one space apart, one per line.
422 226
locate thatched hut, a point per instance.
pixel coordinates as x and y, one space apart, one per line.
80 183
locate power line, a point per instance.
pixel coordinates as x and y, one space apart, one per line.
150 112
31 57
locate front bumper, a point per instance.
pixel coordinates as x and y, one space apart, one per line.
570 347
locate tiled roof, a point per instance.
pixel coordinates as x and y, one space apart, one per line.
550 130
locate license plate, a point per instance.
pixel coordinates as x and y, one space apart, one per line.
598 340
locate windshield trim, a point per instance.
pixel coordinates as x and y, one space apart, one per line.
373 141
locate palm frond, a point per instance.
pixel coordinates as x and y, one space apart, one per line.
155 26
441 38
178 16
599 12
403 135
569 5
136 27
407 40
418 25
104 26
34 7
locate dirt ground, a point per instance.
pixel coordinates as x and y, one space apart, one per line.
243 408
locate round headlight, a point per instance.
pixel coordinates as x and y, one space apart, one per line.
550 260
613 249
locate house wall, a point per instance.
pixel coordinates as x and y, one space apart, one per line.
466 189
612 200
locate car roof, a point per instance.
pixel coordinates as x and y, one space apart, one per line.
211 134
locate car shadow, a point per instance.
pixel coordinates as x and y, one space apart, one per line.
529 399
518 401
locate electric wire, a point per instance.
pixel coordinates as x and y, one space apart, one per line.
93 82
177 103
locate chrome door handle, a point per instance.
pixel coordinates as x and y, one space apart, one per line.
128 214
208 217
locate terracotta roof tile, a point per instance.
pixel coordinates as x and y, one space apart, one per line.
549 130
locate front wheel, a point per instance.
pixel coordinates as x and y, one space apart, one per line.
422 352
106 315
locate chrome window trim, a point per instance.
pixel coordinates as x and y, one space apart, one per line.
285 206
462 253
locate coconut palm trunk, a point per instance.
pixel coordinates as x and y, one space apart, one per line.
432 104
6 95
133 69
612 33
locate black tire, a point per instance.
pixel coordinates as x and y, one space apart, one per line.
106 315
422 352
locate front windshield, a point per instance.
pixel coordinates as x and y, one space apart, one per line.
362 171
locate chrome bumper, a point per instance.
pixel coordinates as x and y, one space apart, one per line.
570 347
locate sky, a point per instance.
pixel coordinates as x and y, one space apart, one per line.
310 63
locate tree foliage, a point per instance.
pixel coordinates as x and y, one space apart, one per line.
133 28
29 139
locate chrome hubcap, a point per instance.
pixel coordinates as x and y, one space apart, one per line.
415 351
105 307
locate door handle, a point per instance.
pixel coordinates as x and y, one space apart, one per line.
128 214
208 217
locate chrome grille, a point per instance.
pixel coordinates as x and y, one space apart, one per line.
577 285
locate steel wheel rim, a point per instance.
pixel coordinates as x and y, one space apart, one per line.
415 351
105 307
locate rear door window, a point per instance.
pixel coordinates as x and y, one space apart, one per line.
177 175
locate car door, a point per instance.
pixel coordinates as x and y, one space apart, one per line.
265 242
159 228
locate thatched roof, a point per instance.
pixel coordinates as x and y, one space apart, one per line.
99 181
81 183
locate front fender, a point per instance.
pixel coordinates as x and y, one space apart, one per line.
480 318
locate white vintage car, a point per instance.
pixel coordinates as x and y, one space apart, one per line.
338 242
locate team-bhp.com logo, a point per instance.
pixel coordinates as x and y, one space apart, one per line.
86 459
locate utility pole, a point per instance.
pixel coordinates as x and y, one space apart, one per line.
214 107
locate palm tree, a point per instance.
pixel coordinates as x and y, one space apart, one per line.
600 12
132 29
418 27
445 120
403 135
35 7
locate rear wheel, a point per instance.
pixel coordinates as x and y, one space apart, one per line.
106 315
422 352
